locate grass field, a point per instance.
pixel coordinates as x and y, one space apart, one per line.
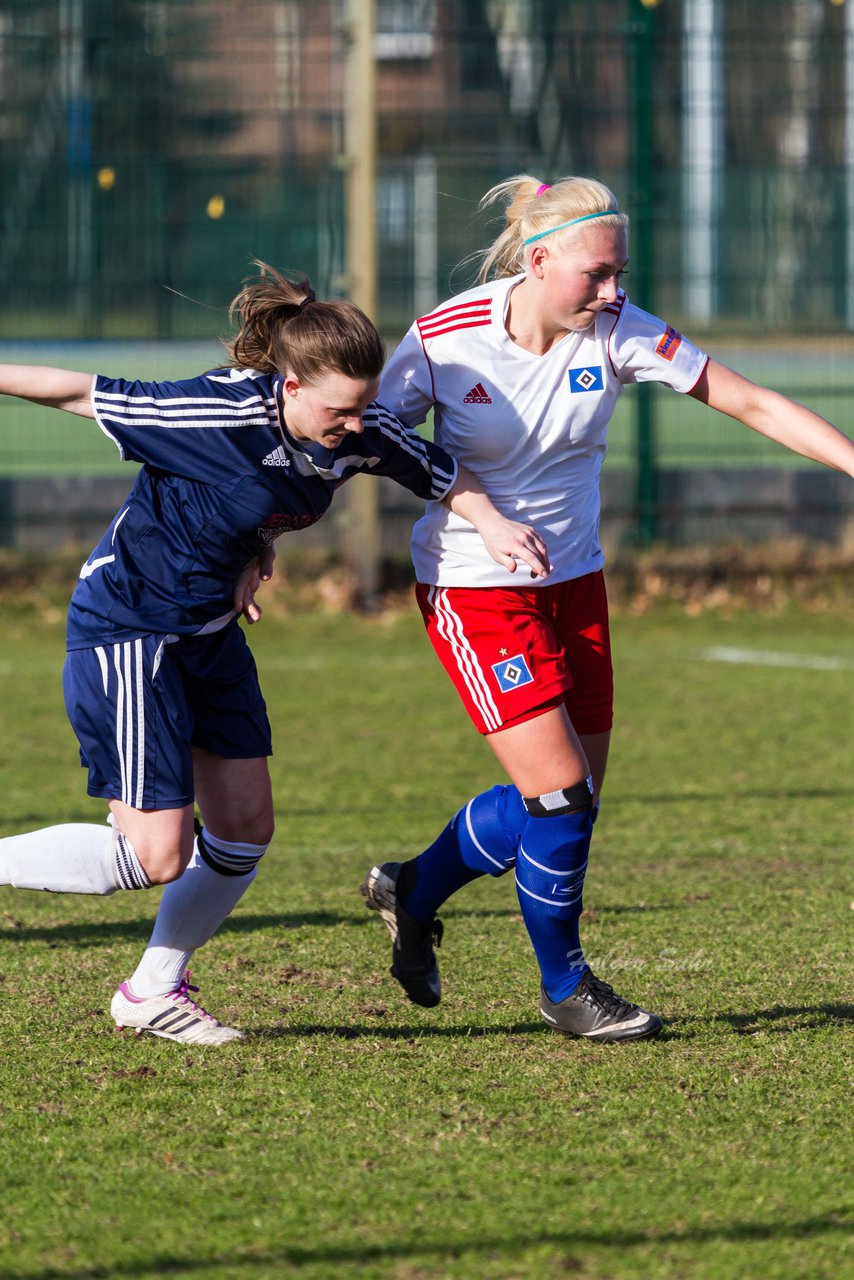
35 440
355 1135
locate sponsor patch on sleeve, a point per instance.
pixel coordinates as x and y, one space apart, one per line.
668 344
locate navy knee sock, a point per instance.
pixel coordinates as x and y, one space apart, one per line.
482 839
550 880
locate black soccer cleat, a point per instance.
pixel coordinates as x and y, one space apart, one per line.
413 960
596 1012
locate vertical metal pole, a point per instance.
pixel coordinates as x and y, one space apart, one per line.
8 494
849 164
78 109
641 37
425 220
361 147
702 154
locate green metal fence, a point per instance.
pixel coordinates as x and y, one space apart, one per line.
149 149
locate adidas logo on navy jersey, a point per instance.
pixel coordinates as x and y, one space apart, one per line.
278 458
477 395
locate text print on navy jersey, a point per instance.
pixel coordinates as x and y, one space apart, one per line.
478 395
668 344
587 379
283 522
512 673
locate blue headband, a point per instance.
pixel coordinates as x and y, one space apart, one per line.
603 213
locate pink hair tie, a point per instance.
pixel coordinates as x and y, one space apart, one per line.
544 187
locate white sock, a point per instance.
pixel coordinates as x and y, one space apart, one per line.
191 910
77 857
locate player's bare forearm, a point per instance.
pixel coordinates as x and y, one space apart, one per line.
775 416
507 541
56 388
249 583
804 432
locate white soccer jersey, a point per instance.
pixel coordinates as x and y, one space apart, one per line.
533 428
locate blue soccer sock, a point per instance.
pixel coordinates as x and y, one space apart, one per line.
482 839
550 880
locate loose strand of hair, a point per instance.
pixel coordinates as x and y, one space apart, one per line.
502 257
263 303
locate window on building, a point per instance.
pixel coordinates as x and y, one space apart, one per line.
405 28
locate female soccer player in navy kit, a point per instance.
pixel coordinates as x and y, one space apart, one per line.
523 373
160 686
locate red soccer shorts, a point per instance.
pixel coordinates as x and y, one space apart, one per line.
513 652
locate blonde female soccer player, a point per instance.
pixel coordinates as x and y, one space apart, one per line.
523 373
160 686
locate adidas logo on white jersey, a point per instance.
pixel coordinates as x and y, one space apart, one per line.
478 395
278 458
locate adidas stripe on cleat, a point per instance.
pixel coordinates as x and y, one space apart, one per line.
594 1011
173 1016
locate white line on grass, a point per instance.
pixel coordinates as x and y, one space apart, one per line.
768 658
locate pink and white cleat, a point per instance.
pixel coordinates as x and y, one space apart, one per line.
173 1016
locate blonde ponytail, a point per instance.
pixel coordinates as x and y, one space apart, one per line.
533 208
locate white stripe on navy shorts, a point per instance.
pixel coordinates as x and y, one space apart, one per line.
140 706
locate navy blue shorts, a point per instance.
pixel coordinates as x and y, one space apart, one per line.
138 708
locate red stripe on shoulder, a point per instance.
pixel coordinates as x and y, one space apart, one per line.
457 308
452 328
616 307
465 315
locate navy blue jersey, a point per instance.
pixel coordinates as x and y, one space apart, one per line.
221 478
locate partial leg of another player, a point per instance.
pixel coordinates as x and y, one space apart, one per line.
235 800
99 858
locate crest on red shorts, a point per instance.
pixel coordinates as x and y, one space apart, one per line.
512 673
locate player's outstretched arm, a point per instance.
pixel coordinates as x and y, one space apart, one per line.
507 541
56 388
775 416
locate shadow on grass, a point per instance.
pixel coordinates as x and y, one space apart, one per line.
418 1249
778 1020
102 932
93 933
681 797
788 1018
376 1031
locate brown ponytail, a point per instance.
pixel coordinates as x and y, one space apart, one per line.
280 332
